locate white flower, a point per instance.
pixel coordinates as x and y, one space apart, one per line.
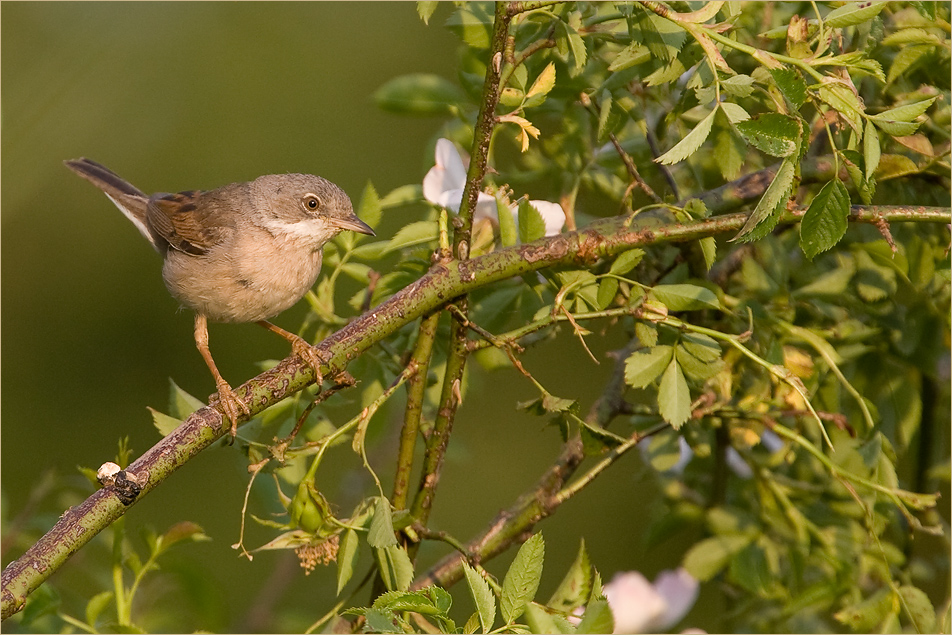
641 607
443 186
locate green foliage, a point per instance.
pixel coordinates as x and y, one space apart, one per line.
801 367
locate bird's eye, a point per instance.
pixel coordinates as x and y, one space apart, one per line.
312 202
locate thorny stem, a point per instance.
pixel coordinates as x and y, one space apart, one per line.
416 390
450 396
602 239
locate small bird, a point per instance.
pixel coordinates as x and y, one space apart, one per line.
244 252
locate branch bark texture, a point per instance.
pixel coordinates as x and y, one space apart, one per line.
602 239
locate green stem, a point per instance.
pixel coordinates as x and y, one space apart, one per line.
416 391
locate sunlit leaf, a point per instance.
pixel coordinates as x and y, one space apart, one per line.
522 579
825 221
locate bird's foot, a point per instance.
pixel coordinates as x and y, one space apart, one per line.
230 405
301 348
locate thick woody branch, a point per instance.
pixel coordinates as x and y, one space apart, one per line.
602 239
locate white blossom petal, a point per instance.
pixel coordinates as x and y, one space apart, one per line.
447 175
552 214
634 602
680 591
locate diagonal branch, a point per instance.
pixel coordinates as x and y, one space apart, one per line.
602 239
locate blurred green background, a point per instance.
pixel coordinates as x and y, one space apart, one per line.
176 96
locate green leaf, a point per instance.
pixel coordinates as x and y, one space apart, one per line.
531 225
607 289
369 209
425 9
163 422
96 605
181 403
841 97
750 569
825 221
772 203
703 347
346 558
901 121
482 596
906 59
772 133
865 616
541 86
576 586
694 367
685 297
627 261
663 37
664 451
472 23
918 608
708 557
643 366
417 233
522 580
395 567
690 143
791 84
634 53
381 533
540 620
738 85
402 195
597 618
674 396
709 250
508 235
852 13
871 151
419 94
596 439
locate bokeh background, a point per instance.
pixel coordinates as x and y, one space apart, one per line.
176 96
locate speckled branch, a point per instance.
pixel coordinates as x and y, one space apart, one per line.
602 239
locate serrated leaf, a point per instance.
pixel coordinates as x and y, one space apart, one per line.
395 567
540 620
417 233
871 152
901 121
734 112
597 618
773 201
709 250
772 133
482 596
541 86
674 396
627 261
690 143
181 403
607 289
419 94
738 85
841 97
663 37
634 53
346 558
425 9
163 422
596 440
791 84
576 587
522 579
825 221
381 621
643 366
381 533
906 59
647 333
852 13
685 297
531 225
369 209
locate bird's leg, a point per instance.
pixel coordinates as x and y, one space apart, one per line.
301 348
227 398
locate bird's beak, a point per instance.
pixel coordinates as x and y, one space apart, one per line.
353 224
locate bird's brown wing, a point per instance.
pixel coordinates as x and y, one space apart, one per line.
187 221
